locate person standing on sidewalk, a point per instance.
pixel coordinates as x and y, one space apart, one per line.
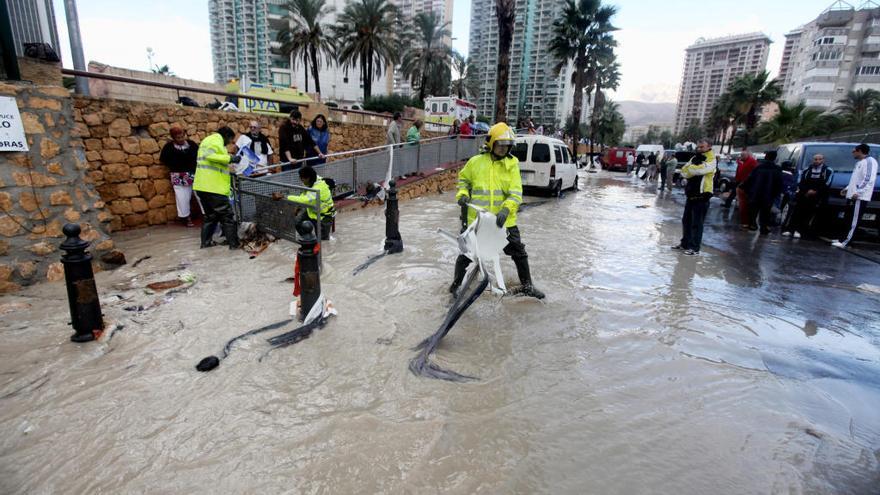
744 166
859 190
763 187
667 171
812 193
295 142
179 155
700 175
413 136
392 135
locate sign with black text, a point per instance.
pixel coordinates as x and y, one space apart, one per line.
12 136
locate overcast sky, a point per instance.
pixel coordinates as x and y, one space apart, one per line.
653 35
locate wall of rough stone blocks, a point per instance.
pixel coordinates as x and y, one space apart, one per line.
122 141
44 188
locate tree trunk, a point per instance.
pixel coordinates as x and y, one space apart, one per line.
314 54
306 69
594 121
578 103
367 75
505 16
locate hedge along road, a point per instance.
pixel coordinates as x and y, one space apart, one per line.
750 369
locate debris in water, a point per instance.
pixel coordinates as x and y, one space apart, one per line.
211 362
366 264
869 288
13 307
140 260
643 206
165 284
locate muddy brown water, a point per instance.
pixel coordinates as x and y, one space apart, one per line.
754 368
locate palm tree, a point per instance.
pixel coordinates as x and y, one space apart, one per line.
721 117
791 123
428 55
505 15
604 74
367 37
467 85
610 125
749 93
305 36
580 35
856 109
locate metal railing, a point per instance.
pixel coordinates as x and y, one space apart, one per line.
351 172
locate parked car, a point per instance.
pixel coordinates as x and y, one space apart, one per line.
615 158
545 164
838 157
724 177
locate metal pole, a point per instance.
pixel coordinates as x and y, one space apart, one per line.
82 295
393 242
309 271
76 48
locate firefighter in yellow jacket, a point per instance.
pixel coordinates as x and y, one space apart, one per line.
312 180
491 180
212 184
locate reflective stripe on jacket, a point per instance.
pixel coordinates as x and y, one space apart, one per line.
212 166
705 170
307 199
492 185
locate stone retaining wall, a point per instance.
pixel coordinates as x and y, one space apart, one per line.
122 141
44 188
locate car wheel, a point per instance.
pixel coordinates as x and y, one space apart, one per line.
557 189
574 185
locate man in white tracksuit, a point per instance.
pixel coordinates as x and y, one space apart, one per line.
859 190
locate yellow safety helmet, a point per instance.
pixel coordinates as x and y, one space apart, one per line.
500 133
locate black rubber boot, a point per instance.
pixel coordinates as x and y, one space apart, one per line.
230 232
461 264
525 278
208 229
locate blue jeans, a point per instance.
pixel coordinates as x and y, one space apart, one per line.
692 223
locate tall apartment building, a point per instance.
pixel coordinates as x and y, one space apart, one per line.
710 66
33 21
409 9
240 40
533 90
837 52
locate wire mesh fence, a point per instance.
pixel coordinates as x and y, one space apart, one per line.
254 203
351 174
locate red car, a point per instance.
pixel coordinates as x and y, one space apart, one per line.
615 158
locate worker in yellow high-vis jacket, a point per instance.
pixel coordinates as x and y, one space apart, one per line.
491 180
212 184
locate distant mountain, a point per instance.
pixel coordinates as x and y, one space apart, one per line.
639 113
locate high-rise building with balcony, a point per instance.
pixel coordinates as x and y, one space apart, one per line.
835 53
33 21
710 66
533 89
240 40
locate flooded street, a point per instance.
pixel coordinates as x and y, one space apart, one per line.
753 368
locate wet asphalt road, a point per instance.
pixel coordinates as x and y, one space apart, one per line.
752 368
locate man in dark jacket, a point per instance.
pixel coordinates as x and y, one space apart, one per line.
812 193
294 141
762 187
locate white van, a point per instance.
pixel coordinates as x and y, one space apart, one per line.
647 149
545 163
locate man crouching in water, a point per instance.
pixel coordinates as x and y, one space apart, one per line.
491 180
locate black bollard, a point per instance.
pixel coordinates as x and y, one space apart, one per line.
309 269
82 294
393 242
